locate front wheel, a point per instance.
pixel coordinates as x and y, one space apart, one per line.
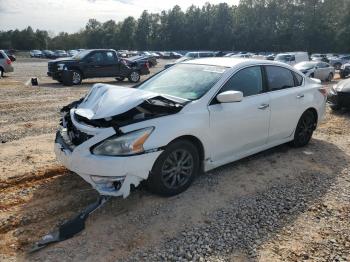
77 77
304 129
175 169
134 77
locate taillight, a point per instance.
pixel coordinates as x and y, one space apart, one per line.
323 91
8 61
147 65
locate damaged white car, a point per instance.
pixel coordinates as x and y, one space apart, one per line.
194 116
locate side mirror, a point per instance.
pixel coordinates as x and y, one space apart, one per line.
230 97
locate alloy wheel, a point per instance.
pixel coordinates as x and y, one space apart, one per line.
177 168
76 78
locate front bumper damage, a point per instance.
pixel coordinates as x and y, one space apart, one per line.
109 175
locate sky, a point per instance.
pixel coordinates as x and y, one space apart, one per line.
71 15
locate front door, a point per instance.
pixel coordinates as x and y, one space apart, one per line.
237 128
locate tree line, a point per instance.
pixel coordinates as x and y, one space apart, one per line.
254 25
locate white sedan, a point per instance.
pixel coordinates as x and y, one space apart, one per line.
315 69
196 115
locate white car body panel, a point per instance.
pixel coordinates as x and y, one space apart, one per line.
227 132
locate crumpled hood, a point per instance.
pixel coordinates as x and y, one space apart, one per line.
104 101
343 86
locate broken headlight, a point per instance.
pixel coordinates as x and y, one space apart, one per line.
128 144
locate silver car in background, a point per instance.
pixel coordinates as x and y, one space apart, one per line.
5 63
316 69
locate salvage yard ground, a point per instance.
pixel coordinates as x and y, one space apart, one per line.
283 204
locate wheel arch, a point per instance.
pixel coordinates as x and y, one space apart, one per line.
315 113
77 69
197 143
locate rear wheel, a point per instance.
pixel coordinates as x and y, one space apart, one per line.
175 169
330 77
134 77
77 77
304 129
1 72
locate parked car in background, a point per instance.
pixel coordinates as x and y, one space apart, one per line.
149 57
344 70
60 53
337 62
246 55
35 53
10 55
320 57
97 63
48 54
116 137
339 95
315 69
190 56
5 63
72 52
292 58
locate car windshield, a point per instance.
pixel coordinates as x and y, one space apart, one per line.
283 57
81 54
187 81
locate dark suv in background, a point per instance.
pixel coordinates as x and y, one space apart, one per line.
97 63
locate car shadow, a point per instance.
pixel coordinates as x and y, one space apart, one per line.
141 221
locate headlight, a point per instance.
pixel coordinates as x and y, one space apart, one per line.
60 67
128 144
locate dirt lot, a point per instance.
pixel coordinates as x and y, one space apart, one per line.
284 204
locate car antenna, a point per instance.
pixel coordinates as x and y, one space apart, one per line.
71 227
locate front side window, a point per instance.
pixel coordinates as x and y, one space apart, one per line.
279 78
97 57
187 81
248 81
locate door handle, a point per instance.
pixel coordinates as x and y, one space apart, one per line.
300 96
263 106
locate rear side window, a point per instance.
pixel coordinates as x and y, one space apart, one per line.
110 57
248 81
279 78
298 79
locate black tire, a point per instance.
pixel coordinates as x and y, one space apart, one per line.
342 75
312 75
304 130
1 72
169 175
120 78
77 77
330 77
134 77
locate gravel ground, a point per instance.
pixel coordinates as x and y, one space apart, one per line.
284 204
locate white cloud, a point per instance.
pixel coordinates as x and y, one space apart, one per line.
71 15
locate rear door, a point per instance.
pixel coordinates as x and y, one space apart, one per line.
285 94
110 64
240 127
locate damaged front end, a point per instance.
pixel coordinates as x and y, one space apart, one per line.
90 141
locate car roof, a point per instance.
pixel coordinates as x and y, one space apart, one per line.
232 62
